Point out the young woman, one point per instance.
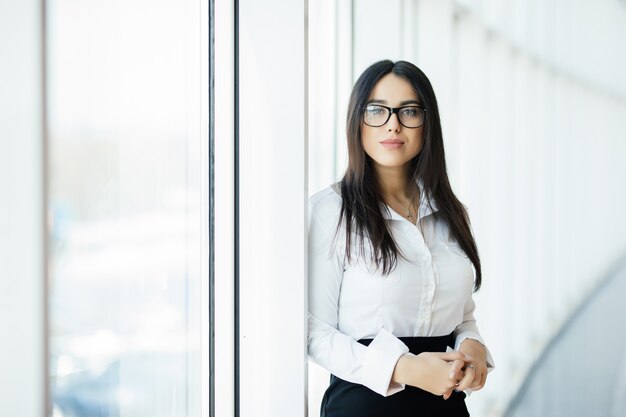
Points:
(390, 262)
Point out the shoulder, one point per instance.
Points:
(324, 210)
(326, 204)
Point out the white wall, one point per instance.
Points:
(272, 207)
(533, 107)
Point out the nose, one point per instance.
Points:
(394, 123)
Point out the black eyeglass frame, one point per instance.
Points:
(392, 110)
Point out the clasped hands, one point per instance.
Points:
(470, 370)
(440, 373)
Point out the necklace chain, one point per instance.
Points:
(408, 208)
(408, 214)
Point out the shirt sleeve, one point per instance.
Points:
(469, 330)
(371, 366)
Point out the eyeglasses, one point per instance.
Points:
(376, 115)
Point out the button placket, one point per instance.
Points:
(423, 257)
(428, 287)
(427, 299)
(414, 235)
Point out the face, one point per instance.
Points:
(392, 145)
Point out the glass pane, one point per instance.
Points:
(126, 228)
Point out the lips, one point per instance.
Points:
(392, 143)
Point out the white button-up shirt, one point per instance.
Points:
(430, 294)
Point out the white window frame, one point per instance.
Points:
(23, 361)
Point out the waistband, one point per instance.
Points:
(421, 344)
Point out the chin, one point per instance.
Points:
(395, 163)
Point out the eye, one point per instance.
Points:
(410, 111)
(375, 110)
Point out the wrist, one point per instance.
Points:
(473, 343)
(401, 372)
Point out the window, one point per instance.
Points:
(127, 102)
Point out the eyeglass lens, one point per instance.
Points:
(409, 116)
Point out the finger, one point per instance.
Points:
(452, 356)
(479, 380)
(455, 370)
(483, 378)
(468, 379)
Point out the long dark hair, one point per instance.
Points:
(362, 203)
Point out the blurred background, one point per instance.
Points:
(152, 250)
(532, 97)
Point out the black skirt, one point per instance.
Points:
(346, 399)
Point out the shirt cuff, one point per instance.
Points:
(379, 362)
(473, 335)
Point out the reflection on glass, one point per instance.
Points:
(125, 213)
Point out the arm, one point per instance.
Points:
(469, 342)
(469, 330)
(340, 354)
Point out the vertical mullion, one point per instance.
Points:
(211, 205)
(225, 169)
(236, 266)
(23, 288)
(47, 398)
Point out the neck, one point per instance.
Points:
(394, 182)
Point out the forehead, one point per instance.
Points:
(393, 90)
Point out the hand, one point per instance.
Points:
(430, 371)
(474, 367)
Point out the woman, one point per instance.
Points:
(390, 262)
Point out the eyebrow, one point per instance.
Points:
(402, 103)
